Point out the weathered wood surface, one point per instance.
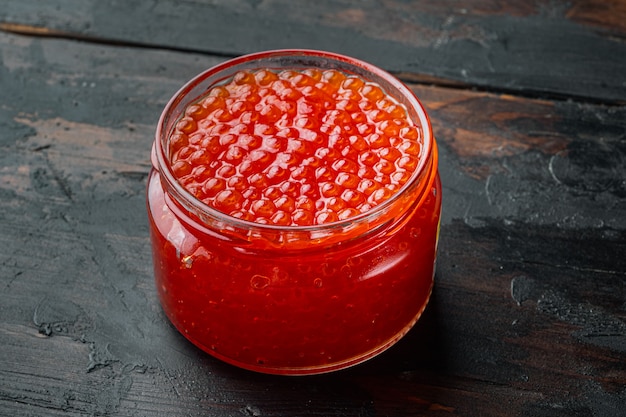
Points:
(528, 316)
(538, 48)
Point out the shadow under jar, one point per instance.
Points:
(296, 299)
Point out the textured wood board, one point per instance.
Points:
(536, 48)
(527, 317)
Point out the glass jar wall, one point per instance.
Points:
(294, 299)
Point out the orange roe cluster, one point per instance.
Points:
(294, 147)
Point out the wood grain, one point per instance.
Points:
(536, 48)
(527, 317)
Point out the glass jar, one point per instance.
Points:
(294, 300)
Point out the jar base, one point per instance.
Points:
(315, 369)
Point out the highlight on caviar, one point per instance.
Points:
(294, 211)
(294, 147)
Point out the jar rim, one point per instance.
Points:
(428, 156)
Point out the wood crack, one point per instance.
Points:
(406, 77)
(576, 268)
(37, 31)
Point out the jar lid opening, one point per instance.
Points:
(291, 59)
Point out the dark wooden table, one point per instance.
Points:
(528, 103)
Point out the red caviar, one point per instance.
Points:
(294, 211)
(246, 146)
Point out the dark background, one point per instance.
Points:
(528, 103)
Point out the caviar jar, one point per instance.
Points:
(294, 299)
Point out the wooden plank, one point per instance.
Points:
(527, 316)
(556, 49)
(534, 161)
